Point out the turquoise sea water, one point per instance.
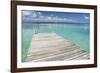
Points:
(76, 33)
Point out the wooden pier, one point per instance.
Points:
(52, 47)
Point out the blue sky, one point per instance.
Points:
(32, 15)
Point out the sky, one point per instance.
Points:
(45, 16)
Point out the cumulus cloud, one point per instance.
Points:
(35, 16)
(26, 13)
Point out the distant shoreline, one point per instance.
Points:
(54, 22)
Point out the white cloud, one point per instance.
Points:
(38, 16)
(86, 17)
(39, 13)
(34, 14)
(26, 13)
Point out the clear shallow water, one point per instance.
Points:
(76, 33)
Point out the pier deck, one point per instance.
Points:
(52, 47)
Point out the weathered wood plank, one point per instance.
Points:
(52, 47)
